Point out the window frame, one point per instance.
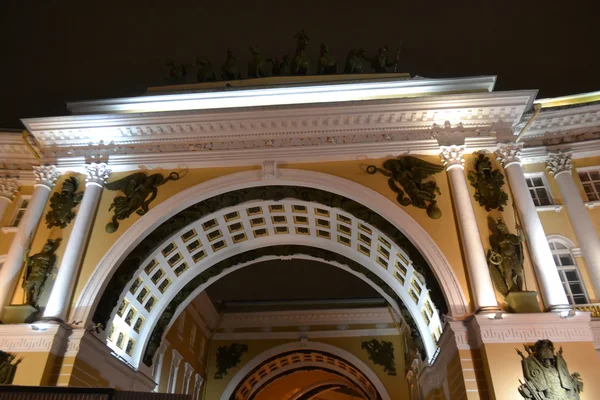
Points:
(542, 175)
(562, 269)
(19, 202)
(587, 170)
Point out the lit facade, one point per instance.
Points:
(276, 169)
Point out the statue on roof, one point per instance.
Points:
(205, 71)
(256, 65)
(177, 72)
(281, 67)
(300, 62)
(326, 65)
(229, 70)
(354, 63)
(381, 62)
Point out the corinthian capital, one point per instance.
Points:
(509, 153)
(46, 175)
(8, 187)
(97, 174)
(559, 162)
(452, 156)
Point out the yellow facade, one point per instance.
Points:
(473, 358)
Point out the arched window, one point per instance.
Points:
(568, 271)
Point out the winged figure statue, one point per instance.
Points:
(136, 189)
(407, 176)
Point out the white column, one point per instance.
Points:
(8, 189)
(484, 296)
(559, 164)
(57, 308)
(175, 362)
(549, 282)
(187, 377)
(46, 176)
(198, 381)
(159, 362)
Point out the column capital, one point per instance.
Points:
(452, 156)
(8, 188)
(177, 358)
(45, 175)
(559, 162)
(509, 153)
(96, 174)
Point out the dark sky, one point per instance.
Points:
(57, 51)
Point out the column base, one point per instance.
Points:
(488, 310)
(559, 308)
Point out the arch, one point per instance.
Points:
(319, 388)
(273, 352)
(387, 209)
(195, 256)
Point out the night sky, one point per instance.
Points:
(57, 51)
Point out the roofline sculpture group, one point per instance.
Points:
(298, 65)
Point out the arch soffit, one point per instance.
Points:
(107, 266)
(396, 283)
(298, 346)
(325, 385)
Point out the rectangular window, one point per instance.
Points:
(590, 180)
(538, 189)
(20, 211)
(193, 336)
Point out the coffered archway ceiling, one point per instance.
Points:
(197, 246)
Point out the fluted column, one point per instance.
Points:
(58, 303)
(197, 386)
(8, 188)
(46, 177)
(158, 364)
(484, 296)
(549, 282)
(174, 370)
(559, 164)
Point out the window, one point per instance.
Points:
(193, 336)
(538, 189)
(568, 271)
(591, 183)
(20, 211)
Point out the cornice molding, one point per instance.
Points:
(474, 110)
(309, 334)
(356, 316)
(552, 123)
(527, 328)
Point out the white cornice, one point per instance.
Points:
(305, 334)
(355, 316)
(551, 122)
(307, 122)
(292, 93)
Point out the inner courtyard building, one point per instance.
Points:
(330, 237)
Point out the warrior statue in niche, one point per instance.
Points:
(505, 258)
(37, 269)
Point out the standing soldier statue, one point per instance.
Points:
(37, 269)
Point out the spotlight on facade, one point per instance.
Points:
(568, 314)
(40, 327)
(496, 315)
